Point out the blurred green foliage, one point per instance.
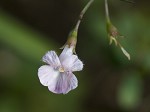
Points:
(21, 38)
(108, 83)
(130, 91)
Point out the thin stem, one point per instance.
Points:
(82, 14)
(107, 11)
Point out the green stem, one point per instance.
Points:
(107, 11)
(82, 14)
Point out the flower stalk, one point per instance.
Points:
(72, 38)
(82, 14)
(107, 12)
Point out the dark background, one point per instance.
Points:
(108, 82)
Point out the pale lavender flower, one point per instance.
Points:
(57, 75)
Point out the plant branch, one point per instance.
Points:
(107, 11)
(82, 14)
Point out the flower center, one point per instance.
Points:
(61, 69)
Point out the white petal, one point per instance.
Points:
(67, 51)
(51, 58)
(72, 63)
(47, 75)
(65, 83)
(77, 65)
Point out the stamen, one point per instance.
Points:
(61, 69)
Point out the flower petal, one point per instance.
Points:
(66, 82)
(47, 75)
(72, 63)
(77, 65)
(67, 51)
(125, 53)
(51, 58)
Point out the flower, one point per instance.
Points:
(113, 32)
(114, 35)
(57, 75)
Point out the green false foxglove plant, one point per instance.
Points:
(58, 75)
